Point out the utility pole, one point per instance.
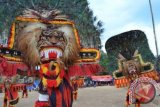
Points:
(154, 32)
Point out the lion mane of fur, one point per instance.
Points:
(27, 43)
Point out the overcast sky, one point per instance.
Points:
(123, 15)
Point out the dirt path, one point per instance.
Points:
(105, 96)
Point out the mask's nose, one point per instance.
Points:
(53, 40)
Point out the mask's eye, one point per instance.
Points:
(61, 36)
(46, 32)
(55, 33)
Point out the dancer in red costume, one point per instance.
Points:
(25, 92)
(48, 40)
(133, 71)
(11, 96)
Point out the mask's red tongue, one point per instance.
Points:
(52, 55)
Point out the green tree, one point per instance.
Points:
(104, 60)
(77, 10)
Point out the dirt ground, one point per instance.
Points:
(104, 96)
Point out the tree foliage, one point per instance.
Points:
(104, 60)
(77, 10)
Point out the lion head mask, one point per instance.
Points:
(45, 38)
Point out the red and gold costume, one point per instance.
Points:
(49, 41)
(136, 74)
(11, 96)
